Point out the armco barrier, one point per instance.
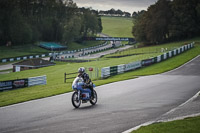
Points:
(40, 80)
(110, 71)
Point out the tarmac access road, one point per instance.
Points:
(100, 54)
(121, 105)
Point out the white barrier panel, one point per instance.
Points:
(133, 65)
(11, 59)
(4, 60)
(179, 50)
(165, 56)
(120, 68)
(40, 80)
(159, 58)
(192, 44)
(189, 46)
(186, 47)
(183, 48)
(175, 52)
(170, 54)
(105, 72)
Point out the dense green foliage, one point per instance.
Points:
(27, 21)
(113, 12)
(168, 20)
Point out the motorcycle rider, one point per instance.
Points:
(86, 79)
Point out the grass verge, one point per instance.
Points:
(188, 125)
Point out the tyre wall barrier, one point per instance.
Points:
(114, 70)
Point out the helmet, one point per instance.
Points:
(81, 70)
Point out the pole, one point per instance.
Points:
(65, 77)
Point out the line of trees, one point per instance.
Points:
(168, 20)
(113, 12)
(28, 21)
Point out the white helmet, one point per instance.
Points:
(81, 70)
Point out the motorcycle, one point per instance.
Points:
(82, 94)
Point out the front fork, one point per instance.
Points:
(79, 94)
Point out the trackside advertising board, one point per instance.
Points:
(148, 62)
(133, 65)
(13, 84)
(109, 39)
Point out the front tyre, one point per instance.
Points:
(75, 102)
(94, 100)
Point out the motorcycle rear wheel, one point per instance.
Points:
(94, 100)
(75, 102)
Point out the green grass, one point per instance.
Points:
(85, 44)
(55, 74)
(8, 70)
(189, 125)
(32, 49)
(20, 50)
(117, 26)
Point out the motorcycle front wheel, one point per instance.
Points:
(94, 100)
(75, 102)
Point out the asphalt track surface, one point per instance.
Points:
(121, 105)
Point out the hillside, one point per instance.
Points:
(117, 26)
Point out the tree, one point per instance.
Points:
(91, 23)
(184, 22)
(152, 26)
(72, 30)
(27, 21)
(20, 31)
(138, 30)
(158, 21)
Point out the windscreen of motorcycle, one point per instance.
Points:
(75, 82)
